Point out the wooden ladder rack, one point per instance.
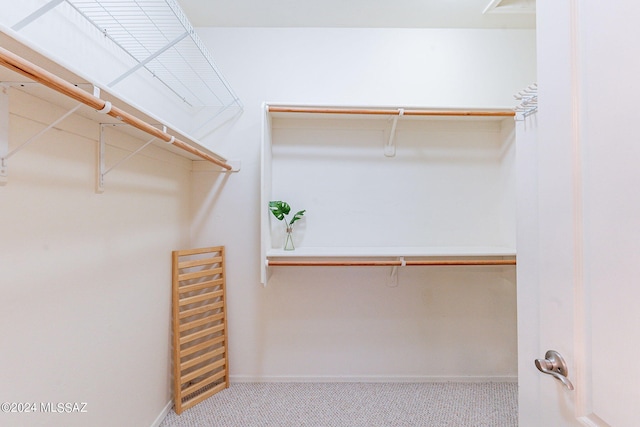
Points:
(200, 355)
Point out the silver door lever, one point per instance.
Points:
(554, 365)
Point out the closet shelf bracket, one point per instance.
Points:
(3, 171)
(392, 280)
(5, 154)
(102, 169)
(4, 132)
(390, 148)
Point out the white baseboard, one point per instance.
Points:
(163, 414)
(368, 379)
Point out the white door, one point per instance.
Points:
(579, 238)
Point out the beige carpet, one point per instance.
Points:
(355, 405)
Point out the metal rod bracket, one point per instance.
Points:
(5, 154)
(392, 280)
(100, 166)
(4, 133)
(4, 171)
(390, 148)
(102, 170)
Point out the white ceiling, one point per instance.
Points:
(362, 13)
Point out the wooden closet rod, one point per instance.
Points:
(391, 263)
(392, 111)
(20, 65)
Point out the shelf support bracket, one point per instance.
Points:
(4, 132)
(100, 161)
(43, 131)
(102, 169)
(390, 148)
(265, 273)
(392, 280)
(5, 154)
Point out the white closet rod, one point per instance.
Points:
(20, 65)
(391, 111)
(392, 263)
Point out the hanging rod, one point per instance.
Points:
(392, 263)
(391, 111)
(22, 66)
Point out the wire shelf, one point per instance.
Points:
(160, 38)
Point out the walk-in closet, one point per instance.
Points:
(419, 201)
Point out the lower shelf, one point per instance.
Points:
(393, 251)
(388, 257)
(393, 263)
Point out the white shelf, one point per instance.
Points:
(146, 53)
(13, 42)
(406, 186)
(387, 252)
(161, 39)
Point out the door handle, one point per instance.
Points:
(554, 365)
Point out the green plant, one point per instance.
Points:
(281, 209)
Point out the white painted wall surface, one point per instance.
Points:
(346, 324)
(85, 277)
(444, 187)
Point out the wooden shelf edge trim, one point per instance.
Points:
(391, 263)
(391, 111)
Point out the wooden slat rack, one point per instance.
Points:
(200, 350)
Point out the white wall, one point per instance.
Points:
(85, 277)
(443, 187)
(346, 323)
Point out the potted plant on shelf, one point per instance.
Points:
(280, 210)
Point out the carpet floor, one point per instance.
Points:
(355, 405)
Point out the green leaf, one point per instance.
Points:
(297, 216)
(279, 209)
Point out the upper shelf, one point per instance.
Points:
(158, 35)
(144, 57)
(10, 77)
(393, 251)
(144, 51)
